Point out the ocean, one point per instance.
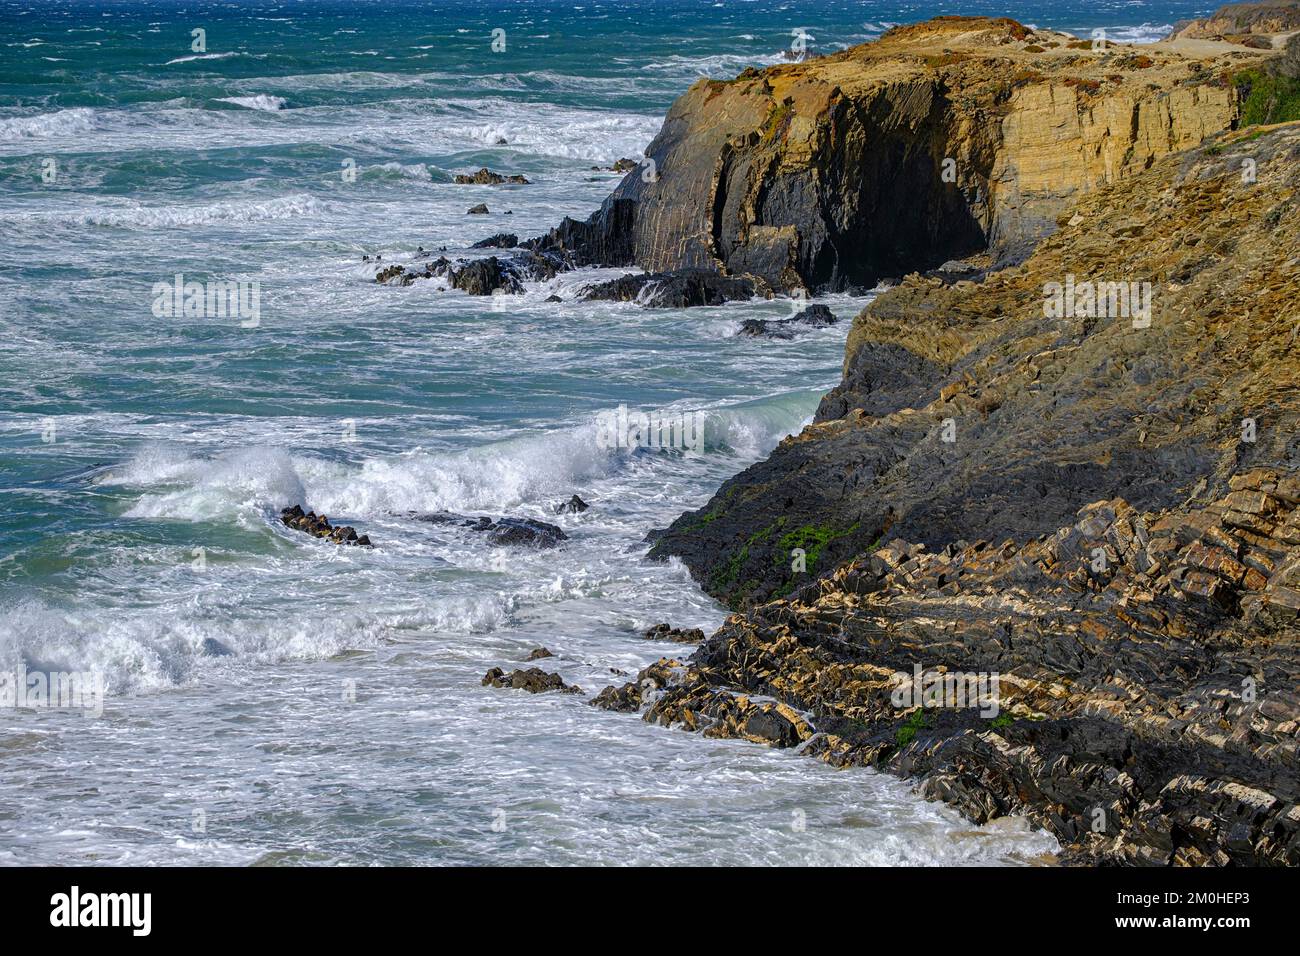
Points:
(274, 699)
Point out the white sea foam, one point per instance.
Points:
(240, 481)
(145, 647)
(210, 56)
(418, 171)
(260, 101)
(42, 125)
(135, 215)
(532, 469)
(1146, 33)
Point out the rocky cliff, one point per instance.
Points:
(1091, 493)
(938, 141)
(969, 410)
(1147, 698)
(1240, 21)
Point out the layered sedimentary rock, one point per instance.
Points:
(1092, 496)
(937, 141)
(1239, 20)
(966, 411)
(1146, 707)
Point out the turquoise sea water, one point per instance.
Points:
(276, 699)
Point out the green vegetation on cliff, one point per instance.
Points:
(1267, 98)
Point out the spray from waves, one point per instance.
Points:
(62, 123)
(238, 483)
(213, 56)
(134, 216)
(250, 484)
(559, 132)
(263, 102)
(718, 65)
(752, 429)
(532, 471)
(1146, 33)
(148, 647)
(394, 170)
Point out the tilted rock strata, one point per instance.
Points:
(1148, 677)
(932, 143)
(1044, 414)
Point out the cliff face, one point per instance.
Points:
(1241, 20)
(1099, 504)
(968, 412)
(937, 141)
(1147, 666)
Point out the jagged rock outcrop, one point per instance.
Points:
(681, 289)
(1236, 21)
(967, 411)
(813, 317)
(1140, 693)
(532, 679)
(574, 506)
(494, 275)
(678, 635)
(318, 526)
(505, 532)
(486, 177)
(937, 141)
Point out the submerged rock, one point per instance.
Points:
(480, 210)
(678, 290)
(534, 680)
(486, 277)
(503, 531)
(318, 526)
(574, 505)
(539, 653)
(813, 317)
(666, 632)
(485, 177)
(524, 531)
(502, 240)
(495, 275)
(623, 165)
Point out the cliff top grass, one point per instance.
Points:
(992, 49)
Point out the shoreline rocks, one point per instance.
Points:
(678, 635)
(1099, 510)
(1242, 22)
(532, 679)
(504, 532)
(486, 177)
(1146, 708)
(493, 275)
(967, 412)
(813, 317)
(318, 526)
(681, 289)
